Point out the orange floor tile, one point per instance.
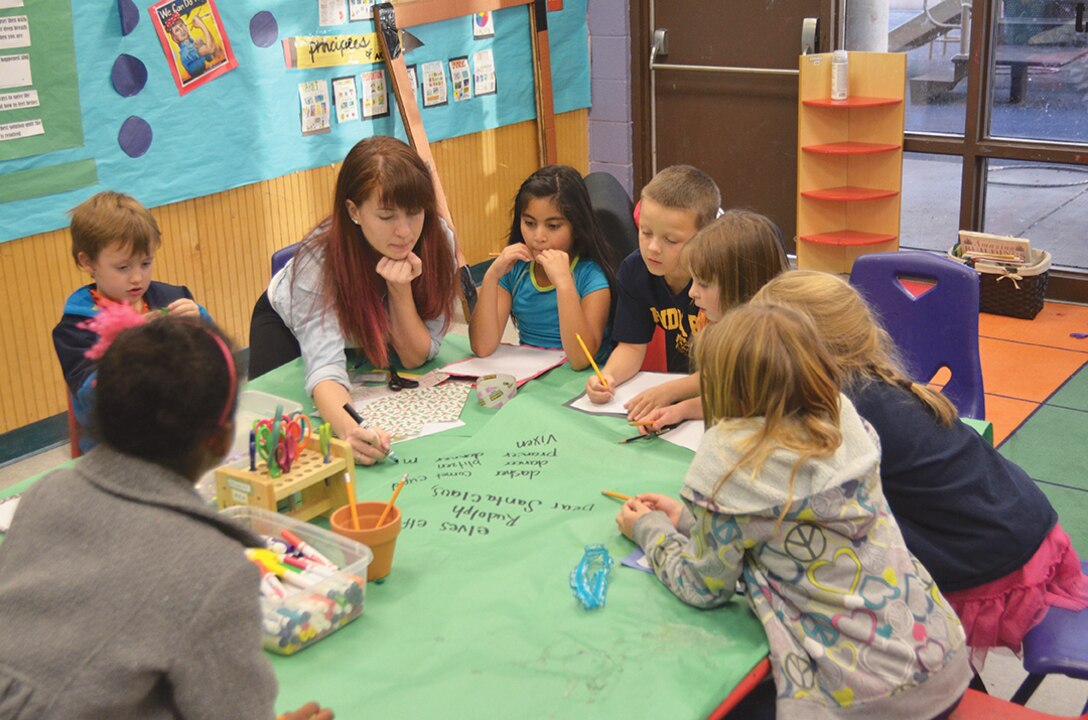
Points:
(1025, 372)
(1006, 414)
(1051, 327)
(1025, 361)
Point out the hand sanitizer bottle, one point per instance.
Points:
(839, 75)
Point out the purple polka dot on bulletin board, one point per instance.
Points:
(263, 29)
(135, 136)
(129, 75)
(130, 15)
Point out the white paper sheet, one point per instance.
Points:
(688, 435)
(14, 32)
(21, 129)
(433, 429)
(641, 381)
(7, 512)
(15, 70)
(521, 361)
(19, 100)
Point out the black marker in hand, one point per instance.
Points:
(350, 410)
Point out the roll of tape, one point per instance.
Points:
(494, 391)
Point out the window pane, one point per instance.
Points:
(1041, 72)
(929, 33)
(1042, 202)
(931, 201)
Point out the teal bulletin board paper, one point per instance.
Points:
(243, 127)
(53, 72)
(48, 180)
(477, 618)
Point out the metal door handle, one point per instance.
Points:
(810, 36)
(660, 48)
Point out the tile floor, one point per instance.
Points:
(1025, 361)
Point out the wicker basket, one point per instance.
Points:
(1013, 290)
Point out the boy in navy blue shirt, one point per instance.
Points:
(652, 282)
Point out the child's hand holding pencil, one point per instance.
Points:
(639, 505)
(599, 387)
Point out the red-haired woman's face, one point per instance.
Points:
(392, 231)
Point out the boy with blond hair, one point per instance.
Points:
(114, 239)
(652, 282)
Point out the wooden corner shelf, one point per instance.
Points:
(853, 102)
(851, 147)
(849, 193)
(847, 238)
(849, 160)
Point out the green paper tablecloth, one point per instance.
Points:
(477, 619)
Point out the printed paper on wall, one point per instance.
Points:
(192, 36)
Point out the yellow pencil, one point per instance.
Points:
(618, 496)
(589, 356)
(351, 501)
(389, 505)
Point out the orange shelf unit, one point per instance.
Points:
(849, 160)
(853, 102)
(849, 194)
(851, 148)
(848, 238)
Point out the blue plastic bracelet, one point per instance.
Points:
(589, 578)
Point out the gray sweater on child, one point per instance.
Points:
(122, 595)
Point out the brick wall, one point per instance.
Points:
(610, 76)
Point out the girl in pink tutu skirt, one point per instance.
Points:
(978, 522)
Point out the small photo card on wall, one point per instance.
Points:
(359, 10)
(434, 84)
(483, 63)
(461, 77)
(483, 25)
(375, 94)
(315, 107)
(346, 99)
(331, 12)
(413, 81)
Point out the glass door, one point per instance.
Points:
(996, 122)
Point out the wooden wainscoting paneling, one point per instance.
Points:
(220, 246)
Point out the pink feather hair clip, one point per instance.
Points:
(108, 324)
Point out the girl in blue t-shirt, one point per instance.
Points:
(554, 276)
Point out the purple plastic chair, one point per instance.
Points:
(1059, 644)
(938, 329)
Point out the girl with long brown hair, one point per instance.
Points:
(377, 276)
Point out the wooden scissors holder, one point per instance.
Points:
(312, 488)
